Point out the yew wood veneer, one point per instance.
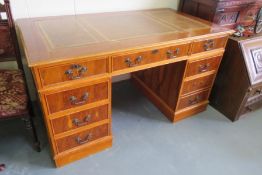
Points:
(173, 59)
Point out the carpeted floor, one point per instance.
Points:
(146, 143)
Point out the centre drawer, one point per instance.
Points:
(82, 138)
(131, 60)
(72, 71)
(202, 66)
(208, 44)
(79, 119)
(194, 99)
(67, 99)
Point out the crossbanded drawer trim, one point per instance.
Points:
(81, 129)
(72, 138)
(83, 118)
(60, 73)
(204, 97)
(89, 89)
(209, 64)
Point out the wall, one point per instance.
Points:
(36, 8)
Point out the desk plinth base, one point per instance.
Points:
(79, 153)
(171, 114)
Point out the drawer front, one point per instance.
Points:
(82, 138)
(209, 44)
(202, 66)
(193, 99)
(198, 84)
(79, 119)
(147, 57)
(74, 71)
(80, 96)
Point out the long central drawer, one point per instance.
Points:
(130, 60)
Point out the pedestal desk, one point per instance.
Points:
(173, 57)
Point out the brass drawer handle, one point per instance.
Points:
(204, 68)
(2, 51)
(83, 100)
(194, 101)
(76, 71)
(81, 141)
(137, 61)
(209, 45)
(78, 123)
(173, 54)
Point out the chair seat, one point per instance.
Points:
(13, 96)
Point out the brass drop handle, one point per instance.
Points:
(83, 100)
(204, 68)
(173, 53)
(194, 101)
(137, 61)
(81, 141)
(76, 71)
(209, 45)
(78, 123)
(2, 51)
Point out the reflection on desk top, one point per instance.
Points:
(54, 39)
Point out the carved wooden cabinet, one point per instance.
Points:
(226, 13)
(238, 86)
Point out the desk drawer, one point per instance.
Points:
(202, 66)
(198, 84)
(79, 119)
(73, 71)
(80, 96)
(142, 58)
(193, 99)
(82, 138)
(208, 44)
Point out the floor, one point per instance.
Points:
(145, 142)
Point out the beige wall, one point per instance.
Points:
(35, 8)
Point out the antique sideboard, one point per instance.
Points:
(173, 59)
(226, 13)
(239, 93)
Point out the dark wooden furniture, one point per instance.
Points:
(239, 92)
(9, 49)
(238, 86)
(14, 100)
(227, 13)
(73, 59)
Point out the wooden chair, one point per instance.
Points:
(14, 96)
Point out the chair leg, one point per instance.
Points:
(29, 123)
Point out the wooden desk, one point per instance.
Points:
(73, 59)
